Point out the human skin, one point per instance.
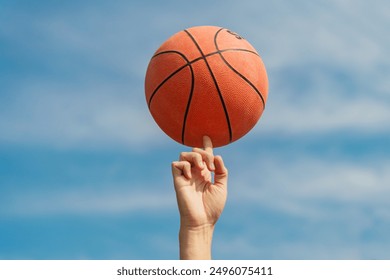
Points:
(200, 201)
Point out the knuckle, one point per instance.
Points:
(197, 151)
(210, 158)
(198, 156)
(182, 155)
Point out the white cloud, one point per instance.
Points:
(305, 207)
(309, 50)
(328, 113)
(87, 117)
(330, 32)
(316, 41)
(243, 247)
(88, 97)
(332, 35)
(85, 202)
(305, 187)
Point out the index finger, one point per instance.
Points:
(207, 144)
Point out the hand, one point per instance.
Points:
(200, 201)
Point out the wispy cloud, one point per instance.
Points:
(84, 202)
(302, 53)
(329, 113)
(73, 79)
(87, 117)
(306, 186)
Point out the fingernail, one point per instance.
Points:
(212, 166)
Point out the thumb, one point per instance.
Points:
(220, 173)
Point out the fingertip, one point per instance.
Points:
(200, 164)
(221, 172)
(181, 168)
(212, 166)
(220, 164)
(207, 144)
(175, 163)
(218, 157)
(174, 166)
(187, 171)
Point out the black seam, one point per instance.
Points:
(188, 64)
(215, 82)
(170, 76)
(238, 73)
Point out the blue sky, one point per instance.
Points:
(85, 172)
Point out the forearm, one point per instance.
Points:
(195, 243)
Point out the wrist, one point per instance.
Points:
(195, 242)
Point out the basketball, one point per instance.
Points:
(206, 80)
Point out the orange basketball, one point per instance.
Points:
(206, 80)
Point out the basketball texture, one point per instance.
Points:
(206, 80)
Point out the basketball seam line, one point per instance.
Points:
(191, 90)
(238, 73)
(169, 76)
(189, 64)
(209, 54)
(215, 82)
(185, 65)
(188, 103)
